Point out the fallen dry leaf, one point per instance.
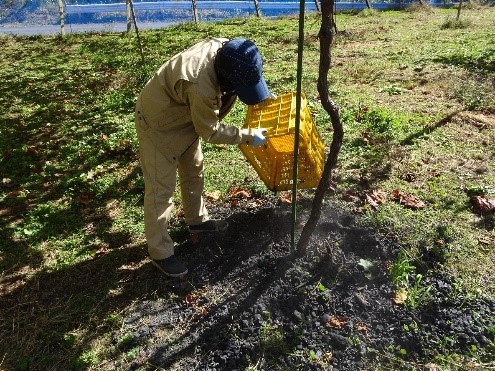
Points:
(101, 251)
(254, 204)
(376, 197)
(368, 138)
(33, 151)
(486, 240)
(407, 200)
(13, 194)
(84, 199)
(361, 327)
(213, 196)
(285, 197)
(432, 367)
(350, 196)
(6, 212)
(179, 213)
(327, 357)
(400, 296)
(194, 301)
(483, 205)
(337, 321)
(332, 186)
(238, 192)
(190, 299)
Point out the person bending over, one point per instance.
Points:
(180, 106)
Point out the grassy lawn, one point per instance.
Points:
(417, 98)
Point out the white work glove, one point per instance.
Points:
(259, 137)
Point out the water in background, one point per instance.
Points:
(207, 10)
(43, 16)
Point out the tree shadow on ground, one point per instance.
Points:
(51, 318)
(481, 63)
(48, 311)
(49, 142)
(411, 139)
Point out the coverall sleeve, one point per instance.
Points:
(204, 115)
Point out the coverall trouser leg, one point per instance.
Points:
(191, 182)
(160, 177)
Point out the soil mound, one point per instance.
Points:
(247, 303)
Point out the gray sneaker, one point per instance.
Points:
(171, 266)
(209, 226)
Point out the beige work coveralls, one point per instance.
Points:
(179, 105)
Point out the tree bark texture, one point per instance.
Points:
(325, 35)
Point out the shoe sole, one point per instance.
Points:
(175, 275)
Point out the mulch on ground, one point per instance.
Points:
(247, 303)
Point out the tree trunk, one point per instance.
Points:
(257, 7)
(128, 15)
(325, 35)
(459, 11)
(133, 15)
(61, 10)
(194, 11)
(317, 4)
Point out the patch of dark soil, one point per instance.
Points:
(246, 302)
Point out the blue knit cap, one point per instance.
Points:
(243, 69)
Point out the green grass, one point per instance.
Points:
(72, 190)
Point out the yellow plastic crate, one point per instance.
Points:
(274, 160)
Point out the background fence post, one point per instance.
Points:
(195, 11)
(61, 10)
(257, 7)
(318, 8)
(128, 14)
